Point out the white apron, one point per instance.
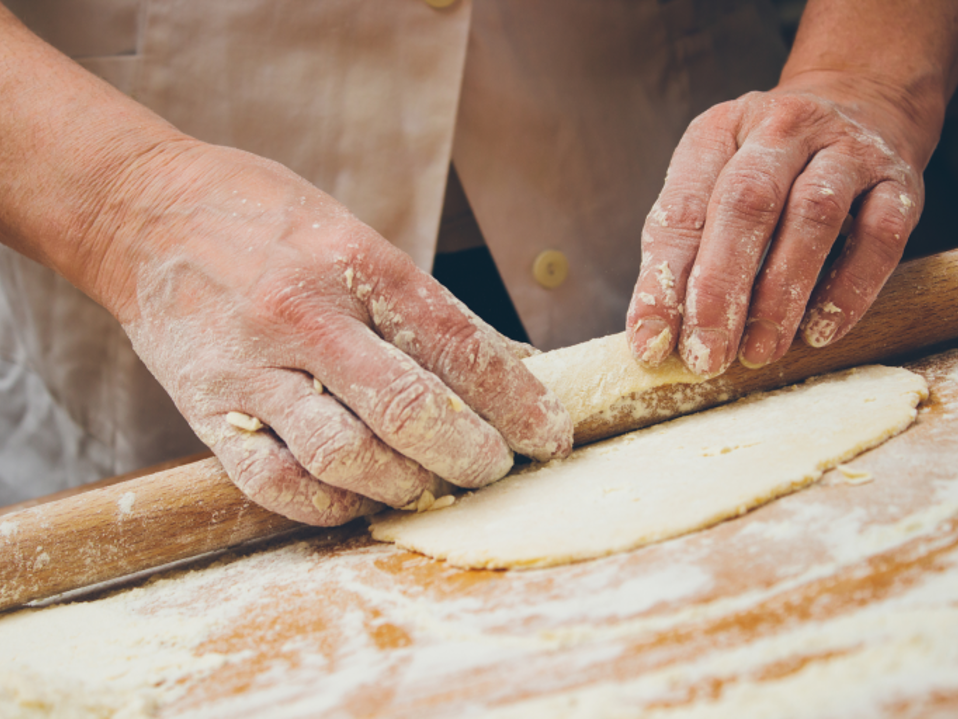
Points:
(560, 116)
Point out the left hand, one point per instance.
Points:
(776, 172)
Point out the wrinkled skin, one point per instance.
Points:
(773, 172)
(247, 290)
(251, 283)
(759, 188)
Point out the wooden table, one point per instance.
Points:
(839, 600)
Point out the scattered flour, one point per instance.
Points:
(119, 657)
(125, 503)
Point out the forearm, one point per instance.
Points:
(904, 52)
(68, 143)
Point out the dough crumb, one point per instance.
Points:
(318, 386)
(321, 500)
(442, 503)
(426, 500)
(666, 278)
(855, 476)
(456, 403)
(243, 421)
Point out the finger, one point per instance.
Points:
(520, 350)
(888, 215)
(743, 212)
(406, 406)
(811, 221)
(473, 360)
(333, 445)
(266, 472)
(672, 234)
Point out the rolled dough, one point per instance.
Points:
(665, 480)
(590, 377)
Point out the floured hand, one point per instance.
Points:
(257, 299)
(325, 370)
(759, 188)
(771, 172)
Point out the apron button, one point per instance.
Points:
(550, 268)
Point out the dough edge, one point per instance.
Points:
(395, 526)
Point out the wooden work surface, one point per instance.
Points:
(839, 601)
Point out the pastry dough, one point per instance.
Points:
(665, 480)
(591, 377)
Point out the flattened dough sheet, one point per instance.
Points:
(665, 480)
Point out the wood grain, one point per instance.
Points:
(105, 482)
(188, 511)
(125, 528)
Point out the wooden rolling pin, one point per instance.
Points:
(147, 522)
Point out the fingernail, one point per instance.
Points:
(759, 344)
(822, 324)
(704, 351)
(652, 340)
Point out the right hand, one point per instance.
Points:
(239, 283)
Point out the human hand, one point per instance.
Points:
(239, 283)
(776, 172)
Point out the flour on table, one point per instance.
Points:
(666, 480)
(121, 657)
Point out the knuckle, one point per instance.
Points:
(467, 358)
(410, 412)
(338, 512)
(282, 487)
(715, 289)
(460, 347)
(781, 297)
(722, 116)
(818, 205)
(285, 297)
(718, 291)
(857, 288)
(249, 471)
(793, 116)
(682, 215)
(260, 477)
(337, 448)
(884, 237)
(752, 192)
